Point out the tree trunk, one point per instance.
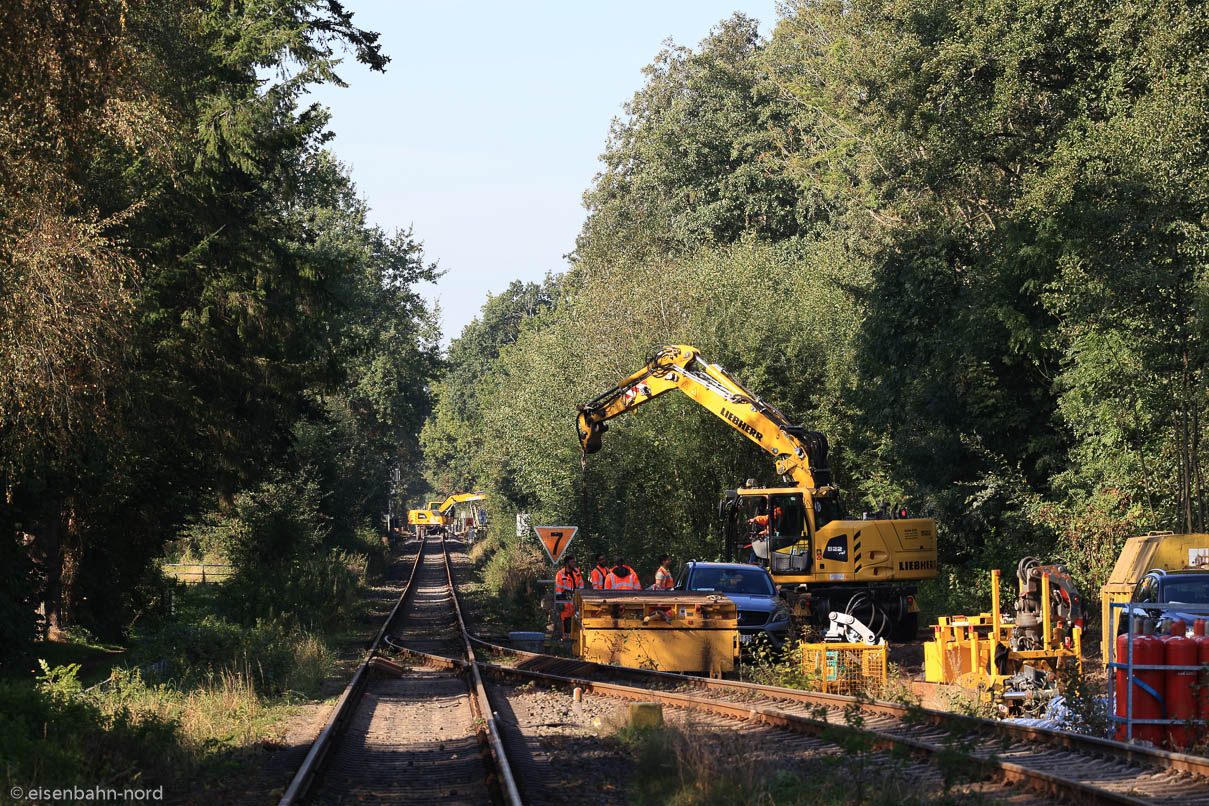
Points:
(46, 549)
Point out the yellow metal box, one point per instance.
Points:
(672, 631)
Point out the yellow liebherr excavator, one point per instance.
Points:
(434, 514)
(865, 567)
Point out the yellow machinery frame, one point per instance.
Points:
(963, 648)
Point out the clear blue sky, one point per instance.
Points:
(485, 130)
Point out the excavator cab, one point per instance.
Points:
(775, 525)
(767, 521)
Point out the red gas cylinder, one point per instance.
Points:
(1148, 651)
(1202, 692)
(1120, 691)
(1179, 692)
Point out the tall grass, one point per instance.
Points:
(696, 766)
(135, 730)
(509, 569)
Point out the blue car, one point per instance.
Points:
(750, 587)
(1160, 593)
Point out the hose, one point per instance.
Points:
(876, 615)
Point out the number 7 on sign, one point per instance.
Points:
(555, 540)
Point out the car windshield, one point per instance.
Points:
(1192, 591)
(732, 580)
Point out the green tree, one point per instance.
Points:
(686, 166)
(165, 172)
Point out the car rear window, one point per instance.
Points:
(1192, 591)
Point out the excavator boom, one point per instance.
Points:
(800, 454)
(459, 498)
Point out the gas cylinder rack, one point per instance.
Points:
(1159, 690)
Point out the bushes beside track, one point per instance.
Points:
(507, 570)
(219, 677)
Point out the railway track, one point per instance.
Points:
(1018, 763)
(1053, 763)
(422, 734)
(1146, 774)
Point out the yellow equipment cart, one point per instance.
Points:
(671, 631)
(1011, 661)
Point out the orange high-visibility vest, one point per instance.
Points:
(598, 577)
(627, 581)
(663, 580)
(565, 583)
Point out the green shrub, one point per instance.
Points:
(317, 593)
(51, 734)
(514, 568)
(275, 656)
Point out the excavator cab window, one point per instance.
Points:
(788, 518)
(754, 506)
(787, 526)
(826, 510)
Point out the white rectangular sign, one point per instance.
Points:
(522, 524)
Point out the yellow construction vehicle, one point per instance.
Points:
(439, 514)
(1012, 661)
(1163, 551)
(865, 567)
(422, 519)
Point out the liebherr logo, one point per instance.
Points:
(741, 425)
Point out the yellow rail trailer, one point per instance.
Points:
(1156, 550)
(671, 631)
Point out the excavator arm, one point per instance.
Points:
(459, 498)
(799, 453)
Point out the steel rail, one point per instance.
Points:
(1147, 756)
(1034, 779)
(1038, 780)
(305, 776)
(507, 781)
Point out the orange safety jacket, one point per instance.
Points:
(566, 583)
(626, 580)
(598, 577)
(663, 580)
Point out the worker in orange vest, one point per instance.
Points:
(663, 576)
(566, 581)
(621, 577)
(597, 577)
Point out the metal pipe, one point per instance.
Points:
(1046, 626)
(995, 607)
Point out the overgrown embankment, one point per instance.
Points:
(503, 590)
(203, 687)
